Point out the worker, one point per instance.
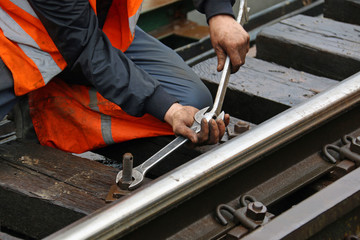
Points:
(64, 54)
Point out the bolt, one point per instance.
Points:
(126, 178)
(241, 127)
(256, 211)
(258, 206)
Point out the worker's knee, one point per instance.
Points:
(198, 97)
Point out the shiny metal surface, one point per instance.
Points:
(180, 184)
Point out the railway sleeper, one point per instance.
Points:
(316, 45)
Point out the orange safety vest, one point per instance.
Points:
(72, 118)
(31, 55)
(76, 118)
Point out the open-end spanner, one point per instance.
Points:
(139, 172)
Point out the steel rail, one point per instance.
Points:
(209, 168)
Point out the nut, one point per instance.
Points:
(256, 211)
(241, 127)
(238, 128)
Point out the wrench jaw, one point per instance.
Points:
(118, 176)
(221, 116)
(200, 115)
(207, 115)
(137, 177)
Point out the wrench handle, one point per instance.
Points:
(225, 75)
(162, 153)
(220, 94)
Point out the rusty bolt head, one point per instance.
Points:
(124, 185)
(256, 211)
(241, 127)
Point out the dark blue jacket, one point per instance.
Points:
(76, 31)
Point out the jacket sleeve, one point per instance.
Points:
(214, 7)
(73, 26)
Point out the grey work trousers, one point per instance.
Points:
(152, 56)
(7, 95)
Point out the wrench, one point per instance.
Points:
(139, 172)
(224, 80)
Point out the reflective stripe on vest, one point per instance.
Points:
(77, 119)
(31, 55)
(105, 119)
(26, 48)
(134, 14)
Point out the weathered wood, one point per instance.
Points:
(181, 28)
(260, 90)
(343, 10)
(316, 45)
(43, 189)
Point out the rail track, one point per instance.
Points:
(300, 97)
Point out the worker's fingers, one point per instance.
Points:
(203, 135)
(237, 53)
(228, 38)
(181, 118)
(237, 49)
(226, 119)
(221, 57)
(214, 132)
(188, 133)
(221, 128)
(233, 50)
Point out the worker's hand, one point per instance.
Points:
(228, 38)
(181, 119)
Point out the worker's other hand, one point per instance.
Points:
(181, 119)
(228, 37)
